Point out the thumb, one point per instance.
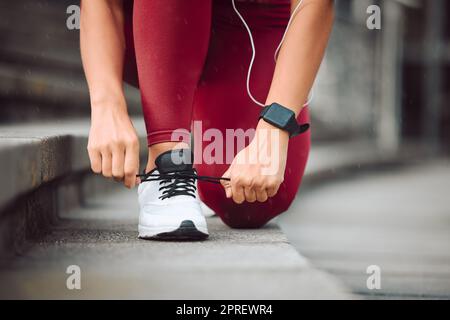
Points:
(226, 184)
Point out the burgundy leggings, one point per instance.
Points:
(190, 59)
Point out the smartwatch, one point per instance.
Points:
(283, 118)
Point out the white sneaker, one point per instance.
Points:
(207, 211)
(169, 206)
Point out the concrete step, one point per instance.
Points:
(31, 91)
(101, 239)
(41, 76)
(33, 154)
(45, 170)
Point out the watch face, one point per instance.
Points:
(279, 116)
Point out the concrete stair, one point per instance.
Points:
(40, 68)
(45, 170)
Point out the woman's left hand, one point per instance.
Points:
(257, 171)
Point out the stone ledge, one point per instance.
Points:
(45, 170)
(34, 154)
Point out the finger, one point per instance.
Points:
(228, 190)
(226, 184)
(237, 193)
(118, 157)
(107, 164)
(261, 195)
(131, 167)
(250, 194)
(272, 192)
(96, 161)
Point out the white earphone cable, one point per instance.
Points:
(252, 43)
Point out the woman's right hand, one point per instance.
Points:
(113, 143)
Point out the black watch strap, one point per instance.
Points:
(283, 118)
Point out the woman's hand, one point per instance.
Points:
(257, 171)
(113, 143)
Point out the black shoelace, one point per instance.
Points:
(178, 183)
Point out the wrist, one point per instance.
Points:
(108, 100)
(265, 127)
(107, 109)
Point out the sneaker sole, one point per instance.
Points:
(187, 231)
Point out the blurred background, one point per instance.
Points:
(390, 85)
(378, 183)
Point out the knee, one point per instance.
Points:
(239, 220)
(250, 215)
(256, 215)
(246, 215)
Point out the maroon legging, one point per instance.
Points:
(191, 60)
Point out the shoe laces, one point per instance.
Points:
(178, 183)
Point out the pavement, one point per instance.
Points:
(101, 239)
(396, 218)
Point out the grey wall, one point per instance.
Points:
(347, 81)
